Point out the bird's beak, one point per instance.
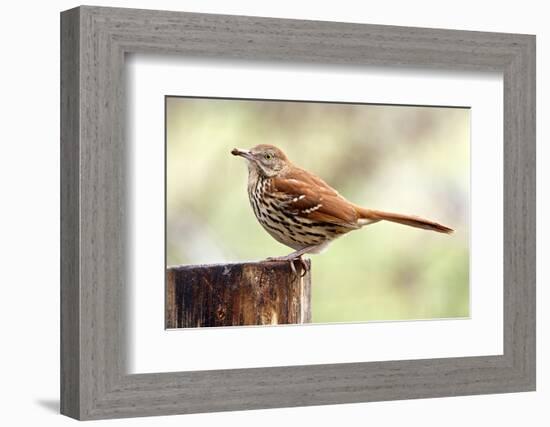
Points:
(243, 153)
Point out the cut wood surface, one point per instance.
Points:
(250, 293)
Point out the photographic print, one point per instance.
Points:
(233, 326)
(296, 212)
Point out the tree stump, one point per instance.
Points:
(251, 293)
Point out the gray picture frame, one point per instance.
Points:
(94, 267)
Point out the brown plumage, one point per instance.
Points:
(301, 210)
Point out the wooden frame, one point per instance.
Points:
(94, 382)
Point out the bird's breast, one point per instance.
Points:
(273, 213)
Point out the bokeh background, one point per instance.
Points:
(407, 159)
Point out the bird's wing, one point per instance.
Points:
(308, 196)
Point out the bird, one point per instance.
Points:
(303, 212)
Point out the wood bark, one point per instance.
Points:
(251, 293)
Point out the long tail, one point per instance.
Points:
(371, 216)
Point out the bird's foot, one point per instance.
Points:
(291, 258)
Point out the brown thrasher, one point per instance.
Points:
(302, 211)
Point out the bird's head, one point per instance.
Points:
(266, 160)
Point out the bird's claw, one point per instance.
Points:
(305, 266)
(292, 267)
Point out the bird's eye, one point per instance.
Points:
(268, 156)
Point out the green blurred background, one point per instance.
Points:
(413, 160)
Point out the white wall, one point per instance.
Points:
(29, 177)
